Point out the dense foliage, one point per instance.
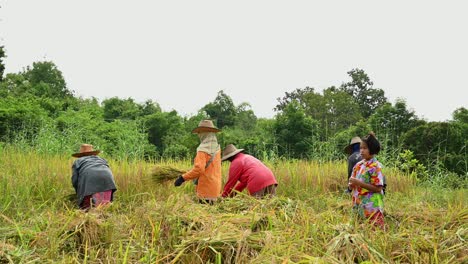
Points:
(38, 111)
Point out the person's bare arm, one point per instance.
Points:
(355, 182)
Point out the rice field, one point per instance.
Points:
(310, 220)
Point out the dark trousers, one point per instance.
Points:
(267, 191)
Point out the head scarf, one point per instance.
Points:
(208, 142)
(356, 147)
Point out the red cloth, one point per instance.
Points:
(97, 199)
(378, 220)
(250, 173)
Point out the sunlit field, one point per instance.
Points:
(310, 220)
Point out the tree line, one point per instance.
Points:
(38, 111)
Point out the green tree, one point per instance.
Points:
(259, 141)
(86, 113)
(149, 107)
(295, 132)
(245, 117)
(298, 95)
(341, 112)
(360, 88)
(314, 105)
(342, 138)
(335, 109)
(222, 110)
(2, 64)
(161, 124)
(18, 115)
(461, 115)
(16, 85)
(393, 121)
(47, 80)
(124, 139)
(116, 108)
(119, 138)
(437, 143)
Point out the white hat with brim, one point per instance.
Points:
(86, 150)
(230, 151)
(205, 126)
(348, 149)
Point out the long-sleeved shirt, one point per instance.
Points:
(90, 175)
(249, 172)
(209, 179)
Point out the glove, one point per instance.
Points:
(179, 181)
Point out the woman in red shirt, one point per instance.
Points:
(247, 171)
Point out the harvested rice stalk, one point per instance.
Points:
(353, 247)
(162, 173)
(4, 249)
(236, 247)
(87, 230)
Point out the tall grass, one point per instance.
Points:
(309, 221)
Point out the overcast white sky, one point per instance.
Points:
(181, 53)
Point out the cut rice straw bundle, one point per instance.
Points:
(352, 247)
(162, 173)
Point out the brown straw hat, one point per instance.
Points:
(205, 126)
(230, 151)
(86, 150)
(354, 140)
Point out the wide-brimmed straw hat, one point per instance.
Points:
(86, 150)
(205, 126)
(349, 149)
(230, 151)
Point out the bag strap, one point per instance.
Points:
(209, 161)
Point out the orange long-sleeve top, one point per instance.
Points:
(209, 179)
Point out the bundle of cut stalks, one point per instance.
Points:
(162, 173)
(87, 230)
(235, 245)
(353, 247)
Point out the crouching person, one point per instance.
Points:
(247, 172)
(92, 178)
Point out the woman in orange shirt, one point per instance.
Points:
(207, 164)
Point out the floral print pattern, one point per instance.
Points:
(368, 203)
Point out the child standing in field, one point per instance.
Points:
(367, 183)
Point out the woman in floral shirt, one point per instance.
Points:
(367, 183)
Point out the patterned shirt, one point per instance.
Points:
(366, 202)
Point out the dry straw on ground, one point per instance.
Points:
(348, 246)
(86, 230)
